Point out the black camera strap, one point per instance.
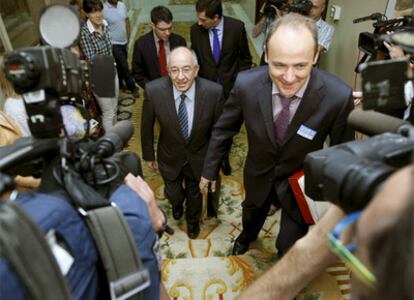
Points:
(25, 247)
(124, 269)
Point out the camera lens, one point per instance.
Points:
(22, 69)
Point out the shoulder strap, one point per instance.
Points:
(24, 246)
(124, 269)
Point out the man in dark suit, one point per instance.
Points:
(186, 108)
(233, 50)
(149, 59)
(289, 108)
(221, 46)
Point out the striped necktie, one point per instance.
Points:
(183, 117)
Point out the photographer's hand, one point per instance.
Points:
(394, 51)
(138, 185)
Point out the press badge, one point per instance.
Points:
(306, 132)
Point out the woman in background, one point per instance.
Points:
(14, 105)
(95, 41)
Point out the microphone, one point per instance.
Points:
(115, 139)
(372, 123)
(374, 16)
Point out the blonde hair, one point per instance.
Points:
(5, 85)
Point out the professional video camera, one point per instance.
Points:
(271, 6)
(371, 44)
(349, 174)
(83, 173)
(49, 77)
(302, 7)
(298, 6)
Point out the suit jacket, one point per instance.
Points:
(234, 56)
(145, 63)
(173, 151)
(324, 108)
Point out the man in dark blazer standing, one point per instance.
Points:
(289, 108)
(149, 59)
(221, 46)
(186, 108)
(233, 54)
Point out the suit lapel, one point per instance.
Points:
(265, 101)
(226, 41)
(205, 41)
(311, 99)
(153, 50)
(199, 103)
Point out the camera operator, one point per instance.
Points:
(269, 12)
(384, 238)
(325, 31)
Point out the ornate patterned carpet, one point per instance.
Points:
(203, 268)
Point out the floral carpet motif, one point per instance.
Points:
(204, 268)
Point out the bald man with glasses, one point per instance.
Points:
(186, 108)
(152, 49)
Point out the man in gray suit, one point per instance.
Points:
(288, 108)
(186, 108)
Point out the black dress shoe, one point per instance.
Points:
(240, 247)
(177, 212)
(225, 167)
(193, 230)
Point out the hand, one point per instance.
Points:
(138, 185)
(204, 184)
(357, 95)
(152, 164)
(394, 51)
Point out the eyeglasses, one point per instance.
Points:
(174, 71)
(344, 252)
(164, 29)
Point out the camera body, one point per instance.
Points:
(46, 77)
(349, 174)
(372, 43)
(57, 71)
(302, 7)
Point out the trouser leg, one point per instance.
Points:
(253, 219)
(109, 107)
(194, 196)
(290, 232)
(174, 191)
(121, 58)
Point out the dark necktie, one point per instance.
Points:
(162, 59)
(216, 45)
(183, 117)
(282, 121)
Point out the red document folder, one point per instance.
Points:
(307, 206)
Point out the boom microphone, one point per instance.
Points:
(374, 16)
(372, 123)
(115, 139)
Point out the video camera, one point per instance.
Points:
(298, 6)
(302, 7)
(349, 174)
(51, 76)
(371, 44)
